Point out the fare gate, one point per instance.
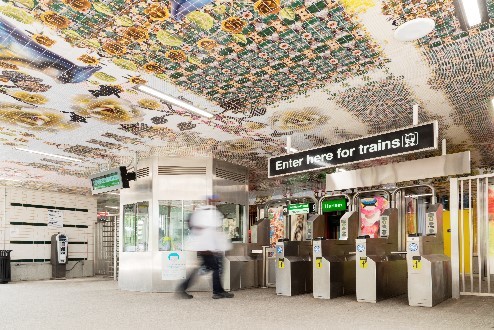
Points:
(472, 235)
(106, 240)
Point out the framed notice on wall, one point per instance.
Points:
(173, 266)
(55, 218)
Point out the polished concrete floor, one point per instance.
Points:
(96, 303)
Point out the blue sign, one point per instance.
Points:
(279, 249)
(413, 247)
(360, 248)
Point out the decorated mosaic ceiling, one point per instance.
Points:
(319, 71)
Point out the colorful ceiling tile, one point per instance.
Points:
(320, 71)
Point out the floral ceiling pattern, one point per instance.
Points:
(321, 71)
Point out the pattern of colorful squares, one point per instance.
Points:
(317, 70)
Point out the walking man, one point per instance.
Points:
(208, 239)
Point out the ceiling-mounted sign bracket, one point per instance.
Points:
(393, 143)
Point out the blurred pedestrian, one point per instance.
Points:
(209, 240)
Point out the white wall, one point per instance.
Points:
(24, 230)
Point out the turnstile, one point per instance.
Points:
(380, 273)
(333, 265)
(293, 267)
(242, 266)
(429, 270)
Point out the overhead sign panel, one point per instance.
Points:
(334, 205)
(403, 141)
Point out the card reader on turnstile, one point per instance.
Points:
(333, 265)
(429, 270)
(380, 273)
(293, 268)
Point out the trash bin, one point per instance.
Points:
(5, 266)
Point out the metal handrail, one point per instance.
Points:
(354, 205)
(393, 194)
(319, 207)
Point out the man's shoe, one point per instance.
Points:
(183, 295)
(223, 295)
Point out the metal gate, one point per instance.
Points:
(472, 235)
(106, 240)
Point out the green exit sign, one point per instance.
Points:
(334, 205)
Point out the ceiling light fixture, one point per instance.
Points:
(492, 102)
(49, 155)
(112, 207)
(7, 179)
(173, 100)
(291, 149)
(471, 12)
(414, 29)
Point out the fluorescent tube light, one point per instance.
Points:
(492, 102)
(112, 207)
(472, 12)
(49, 155)
(7, 179)
(175, 101)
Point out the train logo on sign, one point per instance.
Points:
(317, 248)
(360, 248)
(413, 247)
(279, 249)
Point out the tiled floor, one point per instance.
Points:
(97, 303)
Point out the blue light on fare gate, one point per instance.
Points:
(334, 205)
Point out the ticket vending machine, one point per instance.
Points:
(381, 272)
(429, 270)
(293, 267)
(333, 262)
(59, 255)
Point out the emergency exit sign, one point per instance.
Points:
(334, 205)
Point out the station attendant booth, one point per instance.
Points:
(155, 210)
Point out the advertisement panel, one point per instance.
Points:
(371, 210)
(276, 224)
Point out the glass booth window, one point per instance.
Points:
(136, 227)
(233, 220)
(173, 227)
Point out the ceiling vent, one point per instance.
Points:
(142, 172)
(229, 175)
(179, 170)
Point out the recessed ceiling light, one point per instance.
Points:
(414, 29)
(172, 100)
(291, 149)
(49, 155)
(471, 10)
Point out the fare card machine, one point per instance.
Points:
(293, 267)
(429, 270)
(59, 255)
(380, 273)
(333, 266)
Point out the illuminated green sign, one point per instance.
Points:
(298, 208)
(333, 205)
(109, 180)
